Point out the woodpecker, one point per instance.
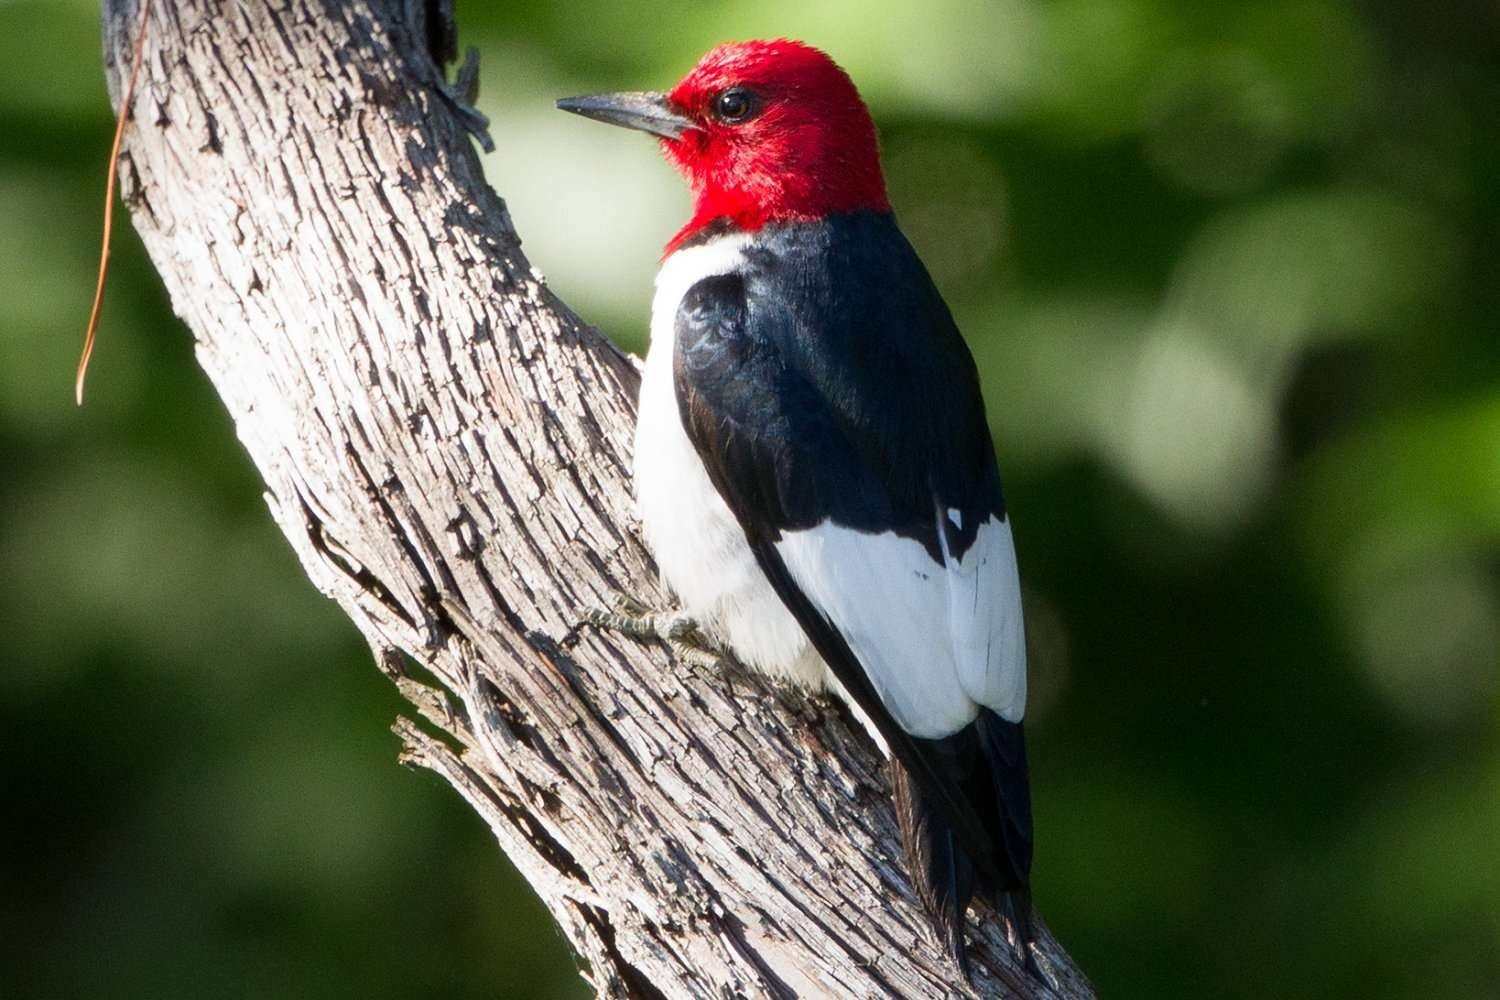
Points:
(813, 468)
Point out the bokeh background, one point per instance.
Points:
(1231, 276)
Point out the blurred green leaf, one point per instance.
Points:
(1226, 274)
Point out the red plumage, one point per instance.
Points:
(811, 152)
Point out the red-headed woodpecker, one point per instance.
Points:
(813, 469)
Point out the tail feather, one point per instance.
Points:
(986, 764)
(1003, 746)
(941, 871)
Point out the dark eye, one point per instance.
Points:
(735, 105)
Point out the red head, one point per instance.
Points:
(780, 134)
(764, 131)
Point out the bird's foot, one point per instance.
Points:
(1032, 957)
(434, 22)
(463, 95)
(677, 629)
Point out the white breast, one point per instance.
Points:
(696, 540)
(936, 640)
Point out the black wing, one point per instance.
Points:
(826, 381)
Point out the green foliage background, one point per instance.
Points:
(1230, 273)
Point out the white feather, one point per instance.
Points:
(937, 641)
(984, 621)
(698, 544)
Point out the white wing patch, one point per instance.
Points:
(984, 621)
(936, 641)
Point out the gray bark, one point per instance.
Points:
(447, 448)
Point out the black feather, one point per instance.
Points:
(825, 381)
(941, 872)
(987, 761)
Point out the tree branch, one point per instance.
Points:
(447, 448)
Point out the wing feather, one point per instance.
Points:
(862, 473)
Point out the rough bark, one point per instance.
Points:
(447, 448)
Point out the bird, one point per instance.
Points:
(813, 468)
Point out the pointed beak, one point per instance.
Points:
(639, 110)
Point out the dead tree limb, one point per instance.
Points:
(447, 448)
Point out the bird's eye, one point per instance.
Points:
(734, 105)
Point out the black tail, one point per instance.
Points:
(986, 765)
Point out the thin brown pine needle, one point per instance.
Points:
(144, 13)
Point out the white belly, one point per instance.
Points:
(699, 546)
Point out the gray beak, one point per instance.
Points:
(639, 110)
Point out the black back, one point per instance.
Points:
(831, 368)
(826, 379)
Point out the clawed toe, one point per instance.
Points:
(624, 604)
(710, 663)
(684, 631)
(676, 628)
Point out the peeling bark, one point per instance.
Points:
(447, 448)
